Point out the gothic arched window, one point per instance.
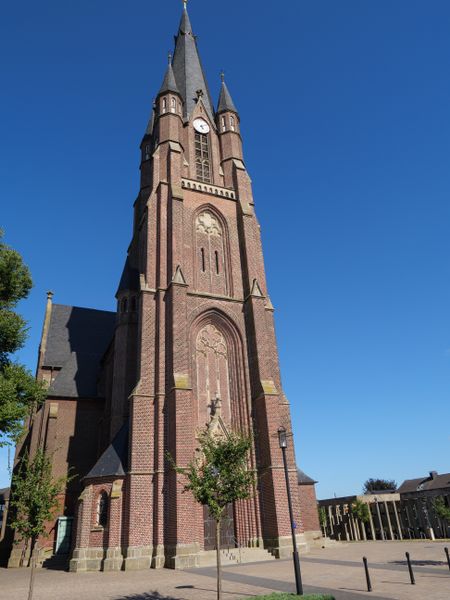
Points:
(102, 509)
(232, 123)
(213, 373)
(210, 250)
(173, 104)
(202, 159)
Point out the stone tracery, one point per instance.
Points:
(212, 372)
(207, 223)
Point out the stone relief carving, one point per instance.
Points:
(208, 223)
(212, 374)
(210, 338)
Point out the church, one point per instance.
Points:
(192, 340)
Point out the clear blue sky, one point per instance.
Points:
(346, 123)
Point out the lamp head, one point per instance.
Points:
(282, 437)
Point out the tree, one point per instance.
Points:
(360, 510)
(34, 500)
(19, 390)
(441, 509)
(218, 476)
(322, 518)
(378, 485)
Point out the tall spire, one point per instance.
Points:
(225, 100)
(188, 70)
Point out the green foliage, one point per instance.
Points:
(219, 474)
(15, 278)
(13, 333)
(322, 516)
(378, 485)
(34, 498)
(19, 391)
(360, 510)
(292, 596)
(441, 509)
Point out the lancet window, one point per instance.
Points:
(210, 254)
(102, 510)
(202, 157)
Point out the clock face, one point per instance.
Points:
(201, 126)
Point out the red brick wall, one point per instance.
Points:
(308, 507)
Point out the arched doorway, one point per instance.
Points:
(213, 382)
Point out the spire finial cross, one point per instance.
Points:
(222, 75)
(185, 4)
(169, 57)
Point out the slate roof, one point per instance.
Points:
(188, 70)
(169, 84)
(425, 484)
(225, 100)
(130, 278)
(76, 342)
(303, 478)
(114, 460)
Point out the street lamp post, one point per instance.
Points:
(282, 438)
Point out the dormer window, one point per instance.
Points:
(232, 121)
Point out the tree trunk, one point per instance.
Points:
(219, 564)
(33, 568)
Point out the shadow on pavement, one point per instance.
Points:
(147, 596)
(419, 563)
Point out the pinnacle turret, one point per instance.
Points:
(169, 84)
(225, 100)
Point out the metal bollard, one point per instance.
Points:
(448, 557)
(411, 574)
(366, 568)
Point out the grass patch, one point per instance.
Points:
(292, 596)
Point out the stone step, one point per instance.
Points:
(233, 556)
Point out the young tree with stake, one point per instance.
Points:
(34, 500)
(218, 476)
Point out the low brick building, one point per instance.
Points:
(308, 506)
(417, 503)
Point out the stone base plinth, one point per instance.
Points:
(281, 547)
(87, 559)
(113, 560)
(183, 556)
(15, 557)
(138, 558)
(159, 558)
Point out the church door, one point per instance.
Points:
(227, 537)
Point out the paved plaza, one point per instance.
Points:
(337, 570)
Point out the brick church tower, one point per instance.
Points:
(194, 323)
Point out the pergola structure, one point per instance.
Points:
(384, 518)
